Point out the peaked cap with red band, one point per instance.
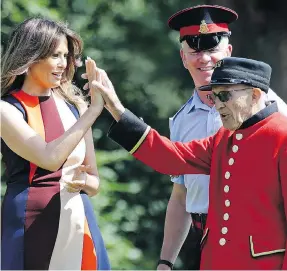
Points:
(202, 19)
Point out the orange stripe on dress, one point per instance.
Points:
(89, 256)
(32, 107)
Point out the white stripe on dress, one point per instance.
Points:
(67, 253)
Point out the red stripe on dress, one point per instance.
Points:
(43, 203)
(47, 185)
(52, 121)
(41, 224)
(54, 128)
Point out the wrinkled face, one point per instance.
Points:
(47, 73)
(201, 64)
(239, 106)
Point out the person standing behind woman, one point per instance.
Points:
(204, 36)
(48, 151)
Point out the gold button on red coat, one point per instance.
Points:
(231, 161)
(226, 216)
(227, 175)
(235, 148)
(224, 230)
(222, 241)
(239, 136)
(227, 203)
(226, 188)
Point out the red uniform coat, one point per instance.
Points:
(246, 225)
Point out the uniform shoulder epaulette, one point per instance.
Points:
(182, 107)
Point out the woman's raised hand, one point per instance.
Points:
(92, 73)
(100, 82)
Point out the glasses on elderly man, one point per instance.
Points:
(224, 95)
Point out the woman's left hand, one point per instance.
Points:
(79, 180)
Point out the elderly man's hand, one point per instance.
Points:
(103, 84)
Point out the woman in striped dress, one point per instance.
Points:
(47, 147)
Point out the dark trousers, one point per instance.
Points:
(195, 236)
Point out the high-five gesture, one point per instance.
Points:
(99, 80)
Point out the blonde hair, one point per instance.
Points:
(36, 39)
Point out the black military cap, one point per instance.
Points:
(202, 26)
(234, 70)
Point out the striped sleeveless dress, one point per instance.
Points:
(43, 226)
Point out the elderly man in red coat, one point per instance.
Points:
(246, 159)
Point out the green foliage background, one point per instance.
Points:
(131, 41)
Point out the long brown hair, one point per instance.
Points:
(36, 39)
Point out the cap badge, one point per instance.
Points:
(218, 64)
(203, 28)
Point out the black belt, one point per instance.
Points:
(199, 220)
